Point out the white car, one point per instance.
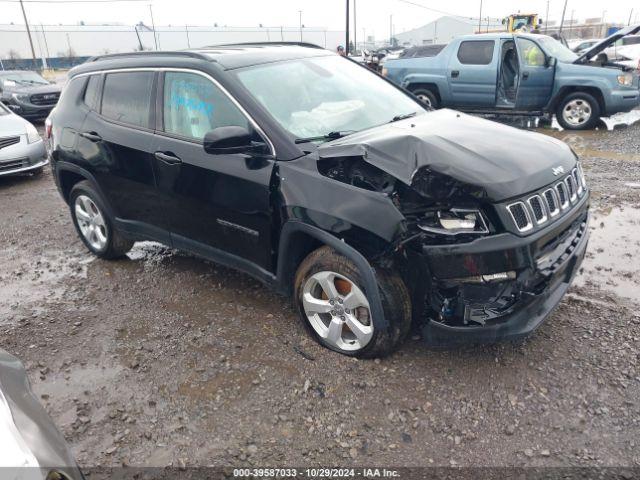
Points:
(614, 51)
(21, 147)
(629, 56)
(582, 45)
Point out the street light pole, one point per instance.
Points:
(480, 19)
(153, 25)
(546, 19)
(26, 24)
(355, 28)
(300, 23)
(346, 46)
(564, 10)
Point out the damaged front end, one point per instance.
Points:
(481, 263)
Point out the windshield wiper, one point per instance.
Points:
(403, 116)
(328, 136)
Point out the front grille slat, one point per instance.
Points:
(520, 216)
(539, 213)
(8, 141)
(552, 202)
(13, 164)
(44, 99)
(571, 188)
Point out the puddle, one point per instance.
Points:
(612, 261)
(33, 281)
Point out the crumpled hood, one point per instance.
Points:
(501, 161)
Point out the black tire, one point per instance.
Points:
(593, 105)
(116, 245)
(37, 172)
(394, 295)
(426, 96)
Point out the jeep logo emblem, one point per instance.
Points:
(557, 170)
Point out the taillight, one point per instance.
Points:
(47, 128)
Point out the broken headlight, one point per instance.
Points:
(454, 221)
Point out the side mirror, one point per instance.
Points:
(232, 139)
(550, 62)
(540, 22)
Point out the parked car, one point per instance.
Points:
(28, 94)
(629, 56)
(613, 52)
(582, 45)
(21, 147)
(521, 74)
(32, 446)
(327, 182)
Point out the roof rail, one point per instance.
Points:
(258, 44)
(184, 53)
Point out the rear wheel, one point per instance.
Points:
(93, 224)
(578, 111)
(335, 308)
(426, 96)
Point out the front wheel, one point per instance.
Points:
(578, 111)
(334, 306)
(427, 97)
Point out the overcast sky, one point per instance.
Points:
(372, 15)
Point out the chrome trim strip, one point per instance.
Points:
(556, 201)
(576, 178)
(566, 195)
(529, 225)
(188, 70)
(544, 210)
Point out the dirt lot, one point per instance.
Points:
(164, 359)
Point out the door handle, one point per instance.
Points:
(91, 136)
(455, 73)
(525, 75)
(167, 158)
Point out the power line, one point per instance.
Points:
(438, 11)
(53, 2)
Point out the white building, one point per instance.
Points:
(445, 29)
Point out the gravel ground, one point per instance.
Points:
(165, 359)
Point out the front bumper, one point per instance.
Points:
(623, 100)
(545, 264)
(22, 157)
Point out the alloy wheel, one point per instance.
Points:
(424, 99)
(338, 310)
(91, 222)
(577, 112)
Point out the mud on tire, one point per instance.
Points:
(393, 293)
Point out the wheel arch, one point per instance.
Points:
(432, 87)
(69, 175)
(298, 239)
(596, 92)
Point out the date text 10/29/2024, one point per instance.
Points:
(320, 473)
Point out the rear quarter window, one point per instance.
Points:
(476, 52)
(91, 92)
(126, 97)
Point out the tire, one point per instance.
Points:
(569, 110)
(376, 341)
(108, 244)
(426, 96)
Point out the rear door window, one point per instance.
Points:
(476, 52)
(126, 97)
(193, 106)
(91, 92)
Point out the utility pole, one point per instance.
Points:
(46, 45)
(300, 23)
(186, 29)
(153, 25)
(346, 45)
(355, 28)
(135, 27)
(26, 24)
(564, 10)
(390, 29)
(630, 15)
(571, 22)
(604, 12)
(480, 18)
(546, 19)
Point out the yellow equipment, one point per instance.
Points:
(521, 22)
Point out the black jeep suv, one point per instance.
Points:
(325, 181)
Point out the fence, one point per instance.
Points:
(60, 42)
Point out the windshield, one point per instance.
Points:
(555, 49)
(312, 97)
(23, 78)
